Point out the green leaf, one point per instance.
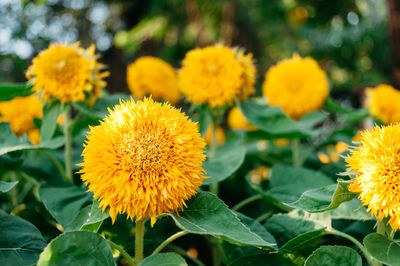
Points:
(208, 215)
(51, 111)
(350, 210)
(164, 259)
(323, 198)
(263, 259)
(64, 202)
(301, 244)
(9, 91)
(10, 142)
(334, 255)
(77, 248)
(226, 161)
(89, 215)
(354, 116)
(382, 249)
(20, 241)
(205, 118)
(100, 108)
(287, 183)
(288, 226)
(334, 107)
(7, 186)
(273, 121)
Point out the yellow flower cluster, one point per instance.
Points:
(152, 76)
(376, 163)
(236, 120)
(144, 159)
(298, 85)
(383, 103)
(334, 152)
(20, 112)
(216, 75)
(67, 73)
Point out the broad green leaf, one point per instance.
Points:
(350, 210)
(7, 186)
(64, 201)
(263, 259)
(288, 226)
(334, 255)
(9, 91)
(208, 215)
(274, 122)
(354, 116)
(323, 198)
(287, 183)
(233, 252)
(382, 249)
(89, 215)
(100, 108)
(164, 259)
(205, 119)
(20, 241)
(226, 161)
(51, 112)
(77, 248)
(331, 105)
(10, 142)
(301, 244)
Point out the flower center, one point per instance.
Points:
(144, 152)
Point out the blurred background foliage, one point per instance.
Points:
(350, 38)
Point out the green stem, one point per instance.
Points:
(380, 229)
(366, 253)
(264, 217)
(139, 241)
(246, 201)
(214, 188)
(122, 252)
(183, 253)
(296, 152)
(169, 240)
(68, 145)
(59, 166)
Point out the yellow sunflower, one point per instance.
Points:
(152, 76)
(67, 73)
(298, 85)
(376, 163)
(20, 112)
(144, 159)
(211, 75)
(249, 73)
(383, 103)
(236, 120)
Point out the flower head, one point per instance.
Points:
(67, 73)
(236, 120)
(144, 159)
(383, 103)
(152, 76)
(377, 164)
(20, 112)
(298, 85)
(211, 75)
(249, 73)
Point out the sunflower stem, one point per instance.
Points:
(380, 229)
(139, 241)
(59, 166)
(214, 188)
(367, 255)
(246, 201)
(296, 152)
(122, 251)
(68, 145)
(169, 240)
